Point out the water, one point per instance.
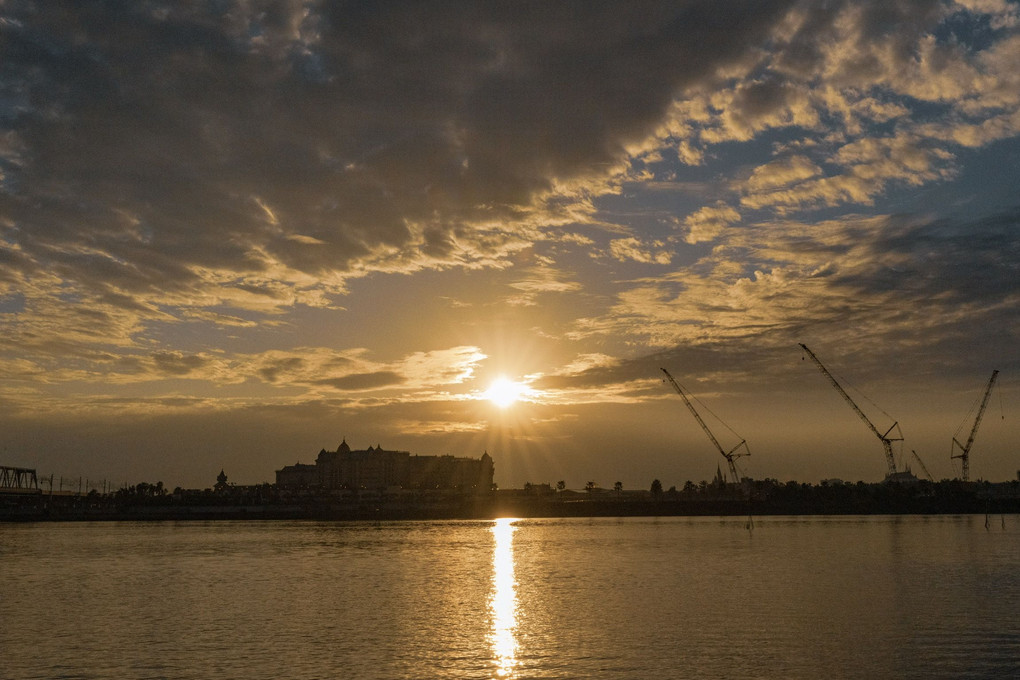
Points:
(836, 597)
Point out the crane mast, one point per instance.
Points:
(728, 455)
(964, 454)
(887, 441)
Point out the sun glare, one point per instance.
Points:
(504, 392)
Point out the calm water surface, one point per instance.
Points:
(834, 597)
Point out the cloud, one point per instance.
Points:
(709, 222)
(919, 280)
(353, 370)
(305, 139)
(586, 362)
(870, 165)
(752, 107)
(177, 363)
(539, 280)
(217, 164)
(274, 368)
(782, 173)
(451, 366)
(624, 249)
(272, 376)
(364, 381)
(867, 96)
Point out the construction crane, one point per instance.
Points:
(887, 441)
(923, 466)
(730, 455)
(964, 454)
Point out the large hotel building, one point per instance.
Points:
(376, 469)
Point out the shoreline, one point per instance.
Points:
(469, 508)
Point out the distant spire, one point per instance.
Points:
(221, 481)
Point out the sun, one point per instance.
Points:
(504, 392)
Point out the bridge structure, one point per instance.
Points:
(18, 481)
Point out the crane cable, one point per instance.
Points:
(1002, 409)
(969, 417)
(720, 420)
(861, 394)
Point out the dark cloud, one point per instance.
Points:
(167, 137)
(364, 381)
(285, 366)
(970, 262)
(176, 363)
(937, 295)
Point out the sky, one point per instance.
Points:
(233, 233)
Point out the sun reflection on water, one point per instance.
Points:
(503, 602)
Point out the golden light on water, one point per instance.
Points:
(503, 601)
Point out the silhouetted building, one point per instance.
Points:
(298, 476)
(376, 468)
(903, 477)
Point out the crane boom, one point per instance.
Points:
(923, 466)
(964, 455)
(887, 441)
(728, 455)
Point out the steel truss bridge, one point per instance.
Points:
(14, 480)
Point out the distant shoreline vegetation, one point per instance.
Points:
(146, 501)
